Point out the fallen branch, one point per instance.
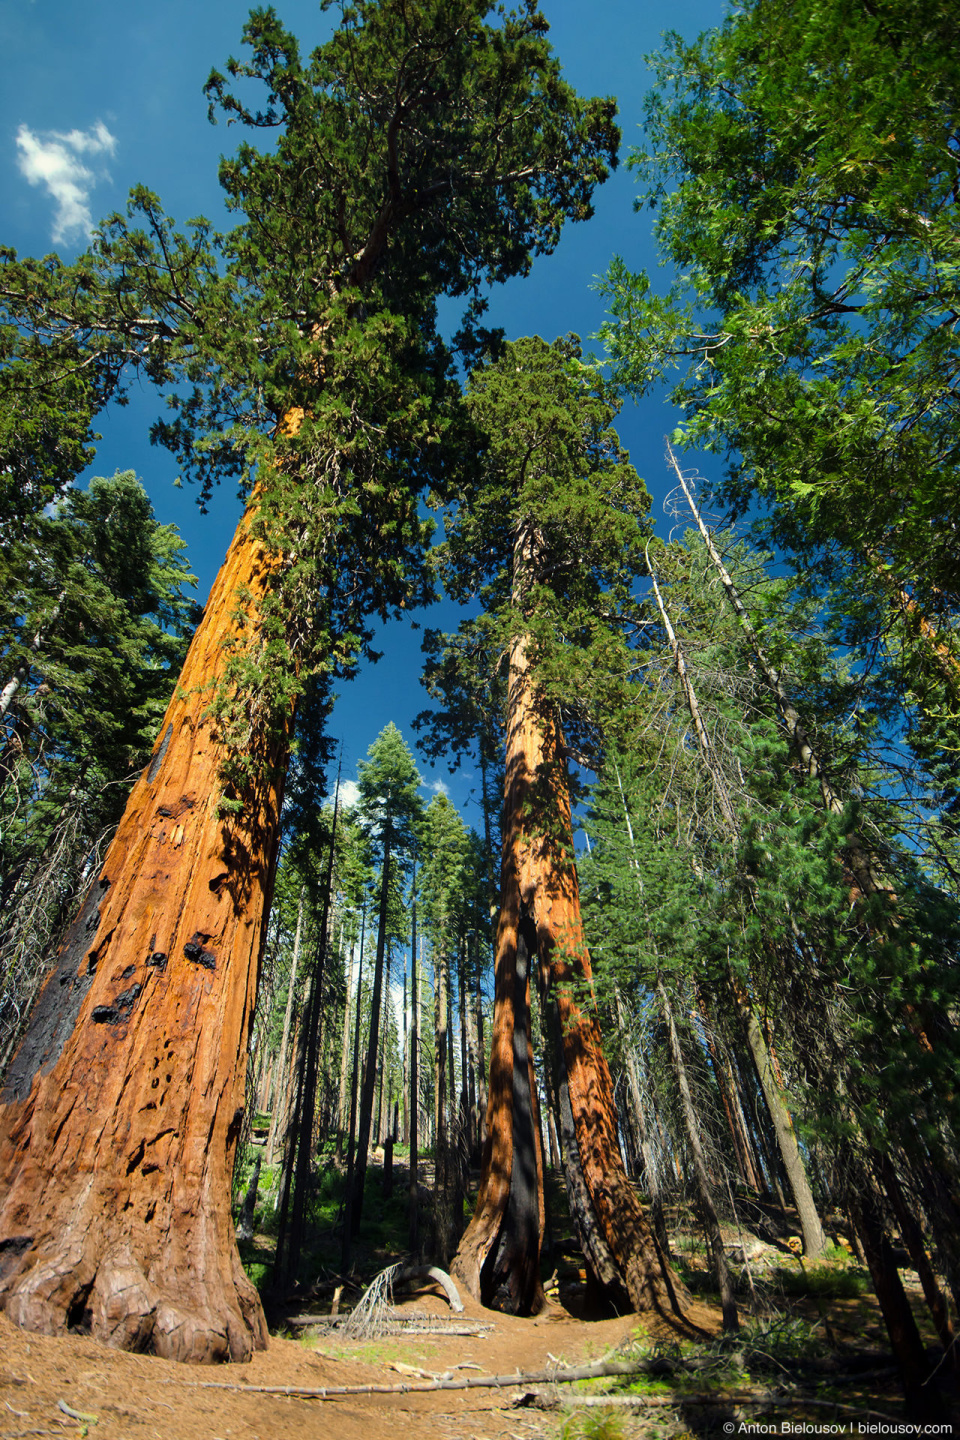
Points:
(606, 1369)
(552, 1376)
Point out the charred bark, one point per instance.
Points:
(122, 1107)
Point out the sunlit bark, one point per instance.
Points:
(540, 917)
(122, 1107)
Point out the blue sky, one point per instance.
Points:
(104, 95)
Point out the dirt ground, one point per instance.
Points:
(138, 1397)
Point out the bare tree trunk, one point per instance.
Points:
(473, 1066)
(741, 1149)
(354, 1104)
(440, 1070)
(540, 916)
(370, 1069)
(728, 1303)
(280, 1103)
(123, 1104)
(345, 1052)
(650, 1170)
(413, 1241)
(814, 1240)
(482, 1096)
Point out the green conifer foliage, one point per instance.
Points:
(802, 167)
(94, 618)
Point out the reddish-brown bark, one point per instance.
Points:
(122, 1107)
(541, 912)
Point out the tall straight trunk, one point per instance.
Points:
(453, 1106)
(440, 1156)
(541, 914)
(123, 1104)
(814, 1239)
(281, 1086)
(648, 1160)
(473, 1113)
(370, 1069)
(550, 1094)
(405, 1065)
(691, 1124)
(741, 1148)
(345, 1053)
(354, 1105)
(307, 1115)
(413, 1234)
(465, 1140)
(482, 1096)
(383, 1079)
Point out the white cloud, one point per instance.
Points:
(53, 158)
(349, 792)
(439, 787)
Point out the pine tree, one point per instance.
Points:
(93, 624)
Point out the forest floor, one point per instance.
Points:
(816, 1355)
(110, 1395)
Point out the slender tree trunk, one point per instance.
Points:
(354, 1105)
(473, 1112)
(123, 1104)
(454, 1155)
(553, 1142)
(741, 1148)
(370, 1069)
(650, 1169)
(708, 1209)
(540, 899)
(312, 1053)
(345, 1053)
(280, 1105)
(439, 1072)
(482, 1096)
(814, 1240)
(413, 1241)
(405, 1067)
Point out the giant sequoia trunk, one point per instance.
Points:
(122, 1107)
(540, 922)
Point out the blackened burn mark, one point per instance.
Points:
(158, 758)
(195, 951)
(218, 882)
(116, 1013)
(157, 961)
(55, 1014)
